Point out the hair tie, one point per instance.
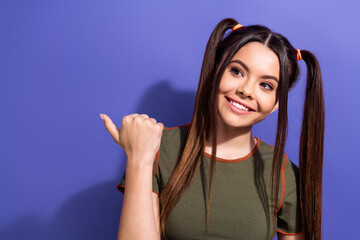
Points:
(237, 26)
(298, 54)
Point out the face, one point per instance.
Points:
(247, 89)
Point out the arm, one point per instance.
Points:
(140, 206)
(299, 236)
(140, 137)
(156, 207)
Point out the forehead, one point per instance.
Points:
(259, 58)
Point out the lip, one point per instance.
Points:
(250, 109)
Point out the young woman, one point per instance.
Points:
(172, 188)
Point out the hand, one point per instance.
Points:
(140, 135)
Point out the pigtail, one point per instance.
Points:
(199, 132)
(311, 150)
(281, 134)
(209, 69)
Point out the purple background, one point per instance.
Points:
(64, 62)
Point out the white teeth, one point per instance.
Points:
(239, 106)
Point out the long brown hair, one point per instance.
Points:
(220, 49)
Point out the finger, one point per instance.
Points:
(111, 127)
(160, 125)
(144, 115)
(133, 115)
(152, 120)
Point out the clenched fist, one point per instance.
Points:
(139, 136)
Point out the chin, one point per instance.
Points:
(235, 123)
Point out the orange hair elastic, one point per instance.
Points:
(237, 26)
(298, 54)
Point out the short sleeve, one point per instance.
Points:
(155, 180)
(288, 217)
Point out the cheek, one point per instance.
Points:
(266, 102)
(222, 86)
(227, 85)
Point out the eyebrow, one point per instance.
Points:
(248, 70)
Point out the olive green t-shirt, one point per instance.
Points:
(240, 194)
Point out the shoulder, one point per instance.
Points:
(174, 131)
(289, 168)
(174, 135)
(172, 144)
(266, 151)
(173, 141)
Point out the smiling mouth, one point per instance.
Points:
(239, 105)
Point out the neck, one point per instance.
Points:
(232, 142)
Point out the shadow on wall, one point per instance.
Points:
(91, 214)
(95, 212)
(165, 104)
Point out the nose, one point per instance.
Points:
(246, 90)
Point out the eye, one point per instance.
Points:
(236, 71)
(267, 86)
